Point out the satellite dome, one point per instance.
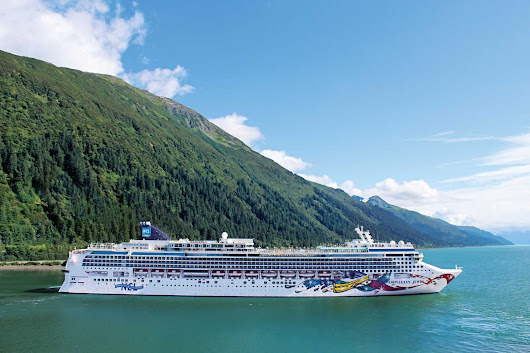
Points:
(392, 243)
(224, 235)
(401, 243)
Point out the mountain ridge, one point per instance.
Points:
(84, 157)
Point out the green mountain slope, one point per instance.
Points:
(439, 229)
(84, 157)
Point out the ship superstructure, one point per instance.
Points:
(234, 267)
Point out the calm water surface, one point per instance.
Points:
(486, 309)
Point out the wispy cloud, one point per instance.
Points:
(495, 175)
(518, 151)
(446, 137)
(512, 160)
(444, 133)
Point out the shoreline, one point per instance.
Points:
(31, 268)
(44, 265)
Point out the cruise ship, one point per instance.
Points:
(157, 265)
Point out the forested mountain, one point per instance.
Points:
(440, 229)
(85, 157)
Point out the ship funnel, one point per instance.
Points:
(150, 232)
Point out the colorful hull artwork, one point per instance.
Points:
(361, 282)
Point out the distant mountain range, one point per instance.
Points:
(517, 236)
(440, 229)
(84, 157)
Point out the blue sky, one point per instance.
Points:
(410, 100)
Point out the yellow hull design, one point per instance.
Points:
(343, 287)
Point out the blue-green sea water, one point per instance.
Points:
(486, 309)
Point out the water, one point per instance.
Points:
(486, 309)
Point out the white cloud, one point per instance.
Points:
(349, 187)
(288, 162)
(162, 82)
(323, 179)
(503, 205)
(494, 199)
(500, 206)
(419, 196)
(459, 219)
(85, 35)
(407, 193)
(235, 125)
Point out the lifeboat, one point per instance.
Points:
(287, 274)
(173, 272)
(191, 273)
(251, 274)
(157, 272)
(307, 274)
(338, 274)
(234, 273)
(269, 274)
(218, 273)
(324, 274)
(141, 271)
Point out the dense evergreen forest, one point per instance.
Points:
(85, 157)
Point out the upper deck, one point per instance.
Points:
(245, 247)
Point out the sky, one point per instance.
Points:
(422, 103)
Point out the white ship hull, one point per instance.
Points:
(260, 287)
(234, 268)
